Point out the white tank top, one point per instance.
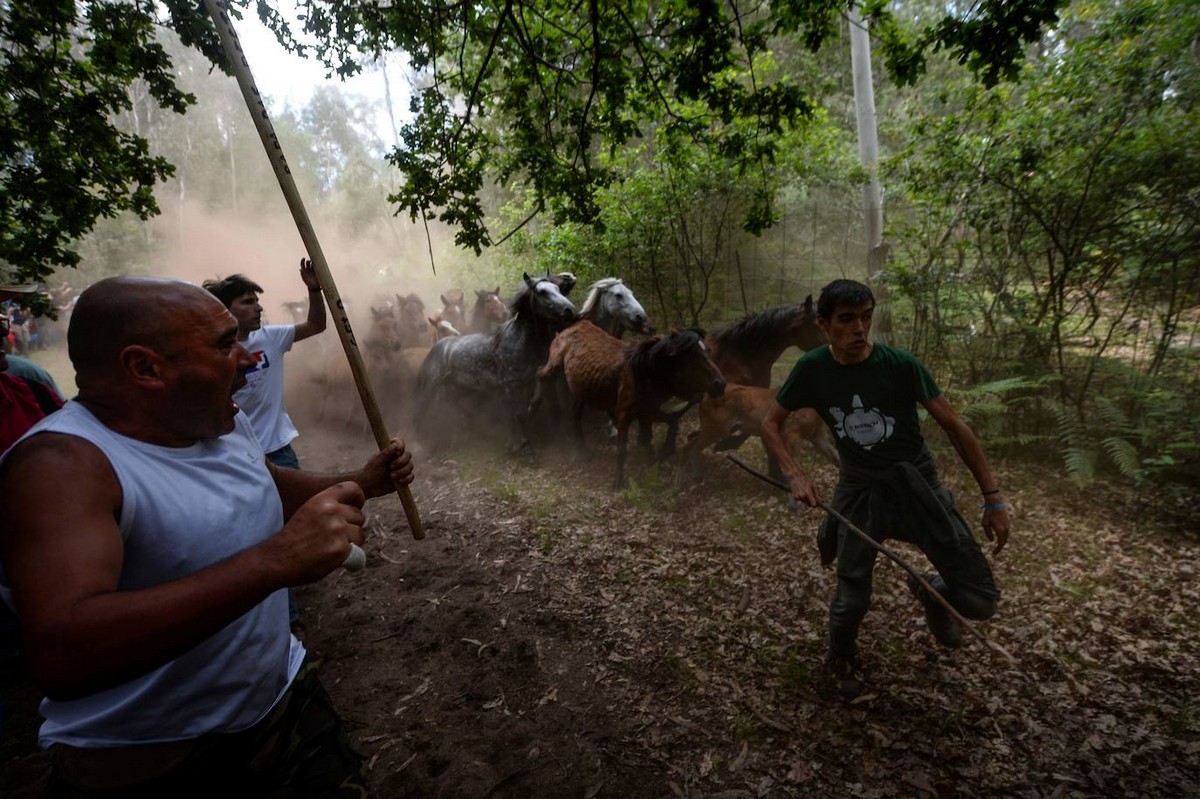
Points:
(184, 509)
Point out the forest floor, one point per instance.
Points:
(552, 638)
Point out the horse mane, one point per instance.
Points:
(597, 290)
(523, 301)
(757, 329)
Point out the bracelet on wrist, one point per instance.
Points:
(995, 506)
(993, 491)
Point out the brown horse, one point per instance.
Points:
(739, 412)
(629, 381)
(488, 312)
(591, 362)
(454, 310)
(658, 370)
(383, 337)
(746, 350)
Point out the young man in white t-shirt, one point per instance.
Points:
(262, 397)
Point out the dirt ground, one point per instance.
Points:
(551, 638)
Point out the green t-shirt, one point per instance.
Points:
(871, 406)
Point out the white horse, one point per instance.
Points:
(611, 306)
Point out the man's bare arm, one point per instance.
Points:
(63, 561)
(996, 522)
(390, 466)
(316, 321)
(803, 488)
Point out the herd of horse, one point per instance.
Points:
(522, 365)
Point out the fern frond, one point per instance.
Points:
(1124, 456)
(1070, 426)
(1002, 386)
(1081, 464)
(1112, 416)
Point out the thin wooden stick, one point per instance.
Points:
(266, 132)
(889, 553)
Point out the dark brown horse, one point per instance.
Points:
(658, 370)
(411, 322)
(746, 350)
(630, 381)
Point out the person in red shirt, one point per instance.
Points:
(23, 400)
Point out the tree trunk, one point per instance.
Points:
(868, 153)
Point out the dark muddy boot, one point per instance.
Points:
(845, 674)
(943, 626)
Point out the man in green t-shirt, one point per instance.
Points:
(888, 483)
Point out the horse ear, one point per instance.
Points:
(528, 279)
(497, 291)
(445, 301)
(808, 302)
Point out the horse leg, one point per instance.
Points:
(689, 457)
(645, 433)
(668, 445)
(427, 418)
(535, 402)
(520, 437)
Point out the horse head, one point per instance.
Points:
(746, 349)
(442, 328)
(411, 321)
(542, 301)
(489, 311)
(611, 306)
(802, 326)
(384, 334)
(454, 309)
(680, 362)
(565, 281)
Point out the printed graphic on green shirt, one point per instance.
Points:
(865, 427)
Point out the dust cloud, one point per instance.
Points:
(369, 268)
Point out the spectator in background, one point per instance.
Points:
(27, 395)
(262, 396)
(23, 367)
(27, 392)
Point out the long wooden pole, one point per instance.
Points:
(888, 553)
(262, 121)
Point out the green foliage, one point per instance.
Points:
(66, 69)
(540, 92)
(1052, 231)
